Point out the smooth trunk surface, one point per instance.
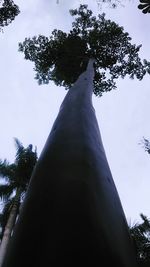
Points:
(72, 215)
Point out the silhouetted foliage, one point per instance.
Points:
(146, 144)
(111, 3)
(63, 56)
(8, 11)
(145, 6)
(15, 175)
(140, 233)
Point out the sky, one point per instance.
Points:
(28, 110)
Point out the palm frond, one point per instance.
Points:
(18, 144)
(26, 161)
(5, 192)
(19, 148)
(146, 144)
(7, 170)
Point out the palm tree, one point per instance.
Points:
(16, 178)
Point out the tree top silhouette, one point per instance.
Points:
(62, 57)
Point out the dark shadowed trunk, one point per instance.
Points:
(72, 215)
(9, 226)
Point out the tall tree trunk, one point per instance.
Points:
(72, 215)
(9, 227)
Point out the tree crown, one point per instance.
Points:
(62, 57)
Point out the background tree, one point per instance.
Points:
(8, 11)
(140, 233)
(112, 3)
(16, 177)
(144, 4)
(98, 38)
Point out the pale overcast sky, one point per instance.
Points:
(29, 110)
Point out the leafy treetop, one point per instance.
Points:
(8, 11)
(63, 56)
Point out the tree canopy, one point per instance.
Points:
(8, 11)
(62, 57)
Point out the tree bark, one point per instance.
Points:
(9, 227)
(72, 214)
